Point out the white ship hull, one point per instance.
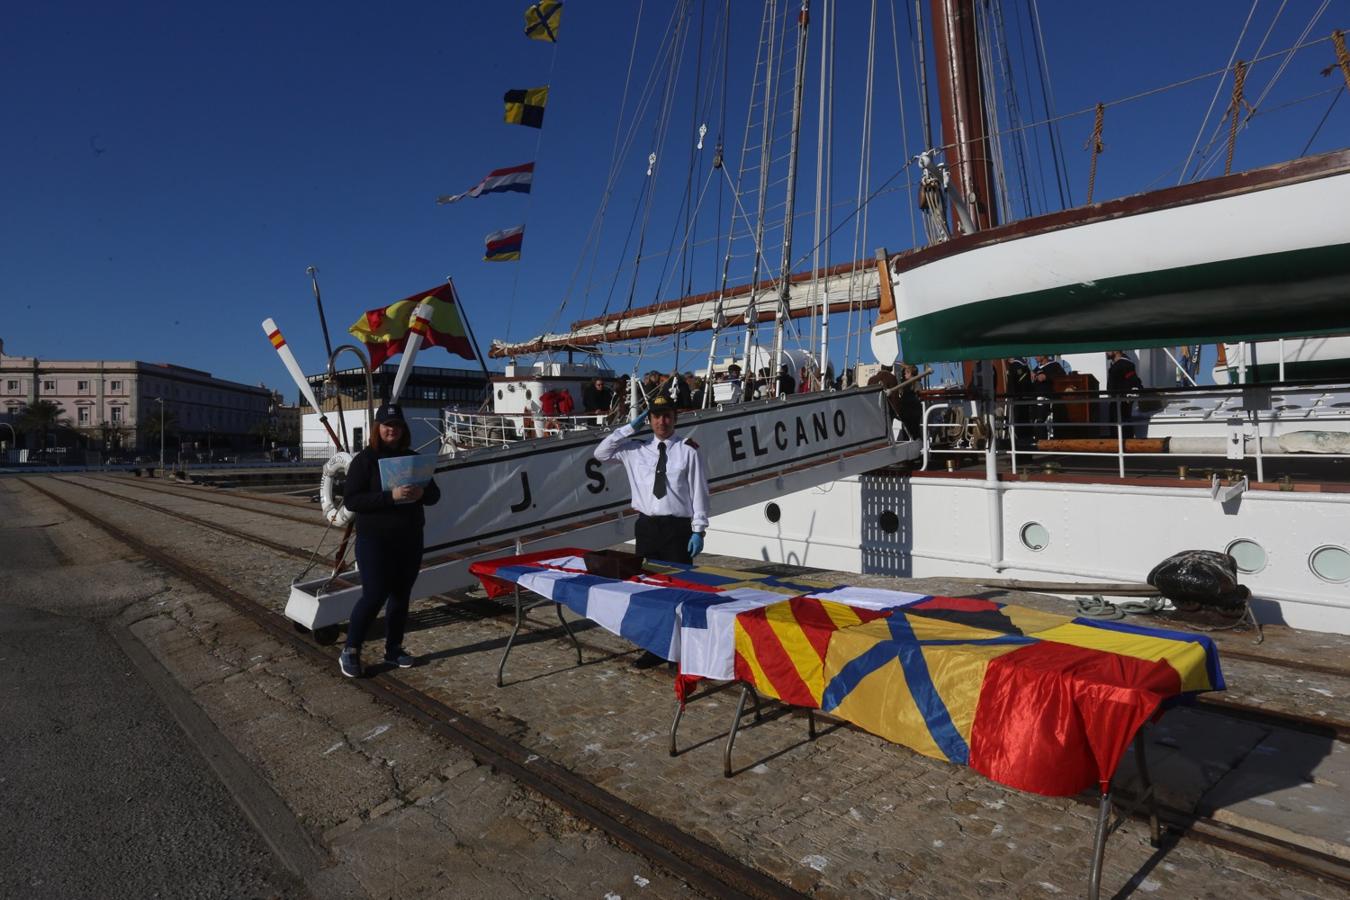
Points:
(957, 526)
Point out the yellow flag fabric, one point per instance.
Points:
(384, 331)
(542, 20)
(525, 106)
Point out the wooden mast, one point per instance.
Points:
(965, 132)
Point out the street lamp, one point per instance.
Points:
(160, 401)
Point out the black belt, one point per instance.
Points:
(666, 518)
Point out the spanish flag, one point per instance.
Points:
(504, 245)
(384, 331)
(525, 106)
(542, 19)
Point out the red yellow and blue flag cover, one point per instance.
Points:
(1038, 701)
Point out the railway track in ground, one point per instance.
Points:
(305, 513)
(1318, 726)
(701, 865)
(659, 841)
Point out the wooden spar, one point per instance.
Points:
(1124, 589)
(1104, 445)
(697, 312)
(885, 289)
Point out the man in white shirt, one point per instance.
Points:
(668, 483)
(669, 487)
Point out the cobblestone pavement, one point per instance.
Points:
(845, 815)
(399, 812)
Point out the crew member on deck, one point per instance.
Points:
(669, 488)
(1047, 370)
(596, 397)
(1121, 378)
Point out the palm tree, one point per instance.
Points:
(110, 435)
(151, 424)
(40, 418)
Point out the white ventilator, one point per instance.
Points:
(417, 330)
(273, 333)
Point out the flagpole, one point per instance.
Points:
(463, 317)
(318, 300)
(328, 347)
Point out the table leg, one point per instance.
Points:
(1150, 793)
(520, 616)
(1099, 847)
(746, 690)
(568, 629)
(675, 725)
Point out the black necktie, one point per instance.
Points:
(659, 485)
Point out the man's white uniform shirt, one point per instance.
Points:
(686, 481)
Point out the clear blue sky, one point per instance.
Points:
(171, 169)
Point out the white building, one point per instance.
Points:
(110, 403)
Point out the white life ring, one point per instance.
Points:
(333, 471)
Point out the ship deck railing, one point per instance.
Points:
(468, 431)
(950, 426)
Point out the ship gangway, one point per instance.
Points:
(551, 492)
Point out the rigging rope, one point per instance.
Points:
(1095, 143)
(1217, 89)
(864, 163)
(1284, 64)
(1048, 101)
(529, 199)
(904, 128)
(1235, 110)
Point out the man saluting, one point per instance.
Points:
(669, 488)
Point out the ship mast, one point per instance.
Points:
(784, 278)
(965, 133)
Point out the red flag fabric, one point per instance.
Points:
(384, 331)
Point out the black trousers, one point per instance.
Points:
(388, 570)
(665, 538)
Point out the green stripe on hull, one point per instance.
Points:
(1292, 294)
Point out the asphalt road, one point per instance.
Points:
(101, 794)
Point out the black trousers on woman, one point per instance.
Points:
(388, 570)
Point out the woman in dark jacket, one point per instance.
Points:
(388, 540)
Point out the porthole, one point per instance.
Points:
(500, 395)
(1330, 563)
(1250, 556)
(1035, 536)
(528, 395)
(773, 513)
(889, 522)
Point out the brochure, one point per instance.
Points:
(397, 471)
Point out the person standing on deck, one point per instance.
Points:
(596, 397)
(1047, 370)
(1121, 378)
(734, 379)
(669, 487)
(388, 540)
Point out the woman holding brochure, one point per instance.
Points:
(387, 498)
